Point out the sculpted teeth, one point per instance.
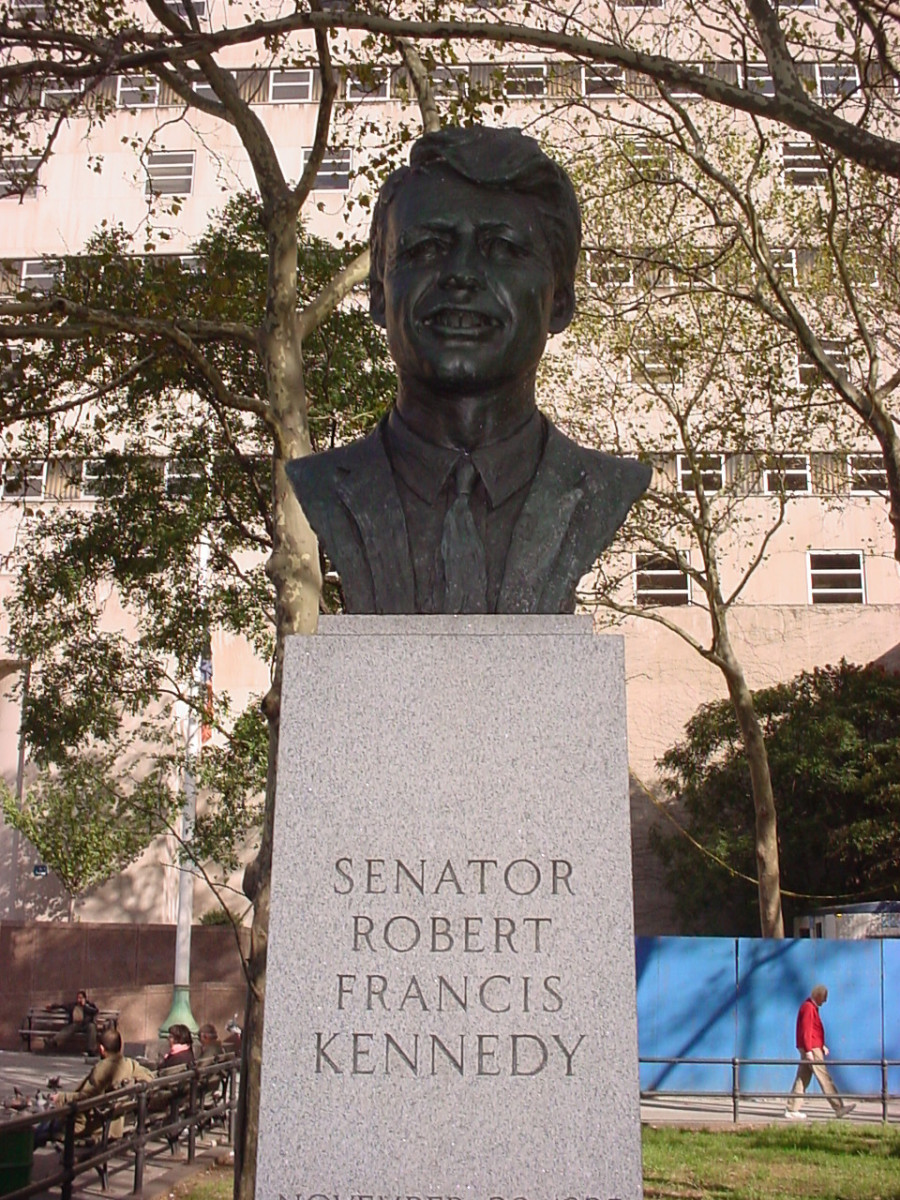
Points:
(460, 319)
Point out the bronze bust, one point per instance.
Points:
(466, 498)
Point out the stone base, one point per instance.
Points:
(450, 1001)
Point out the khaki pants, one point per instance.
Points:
(813, 1063)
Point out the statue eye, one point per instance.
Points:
(425, 249)
(495, 245)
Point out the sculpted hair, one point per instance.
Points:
(502, 159)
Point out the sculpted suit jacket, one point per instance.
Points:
(576, 502)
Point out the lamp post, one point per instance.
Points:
(180, 1012)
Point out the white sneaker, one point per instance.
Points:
(793, 1114)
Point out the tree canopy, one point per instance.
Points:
(833, 742)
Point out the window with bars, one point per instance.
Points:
(367, 85)
(40, 274)
(19, 176)
(868, 476)
(710, 467)
(787, 473)
(660, 582)
(836, 577)
(525, 81)
(23, 479)
(291, 86)
(803, 164)
(334, 173)
(100, 477)
(836, 80)
(170, 173)
(836, 351)
(758, 78)
(603, 80)
(182, 477)
(137, 91)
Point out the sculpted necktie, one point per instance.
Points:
(465, 573)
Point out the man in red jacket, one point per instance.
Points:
(811, 1044)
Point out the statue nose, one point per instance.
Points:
(464, 268)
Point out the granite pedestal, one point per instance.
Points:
(450, 998)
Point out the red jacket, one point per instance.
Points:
(810, 1030)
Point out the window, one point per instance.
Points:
(759, 79)
(371, 84)
(40, 274)
(204, 89)
(787, 473)
(34, 10)
(291, 87)
(182, 477)
(334, 173)
(100, 477)
(683, 91)
(837, 80)
(60, 95)
(14, 172)
(450, 83)
(170, 173)
(803, 164)
(711, 468)
(785, 261)
(836, 351)
(605, 269)
(179, 7)
(604, 81)
(650, 159)
(137, 91)
(868, 475)
(23, 479)
(659, 582)
(639, 3)
(836, 577)
(651, 365)
(525, 82)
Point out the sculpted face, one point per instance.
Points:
(469, 294)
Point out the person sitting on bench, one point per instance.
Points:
(82, 1014)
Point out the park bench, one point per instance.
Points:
(41, 1024)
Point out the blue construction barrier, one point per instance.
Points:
(726, 998)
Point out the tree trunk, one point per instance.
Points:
(768, 873)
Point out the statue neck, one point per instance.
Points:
(465, 421)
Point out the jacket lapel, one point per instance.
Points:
(542, 525)
(382, 530)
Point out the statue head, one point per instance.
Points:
(474, 251)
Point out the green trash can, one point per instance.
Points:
(16, 1157)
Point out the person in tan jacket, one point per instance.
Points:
(112, 1071)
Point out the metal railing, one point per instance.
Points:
(735, 1092)
(156, 1114)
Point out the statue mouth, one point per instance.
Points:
(460, 320)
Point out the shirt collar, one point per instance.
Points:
(504, 467)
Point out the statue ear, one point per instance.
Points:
(376, 302)
(563, 309)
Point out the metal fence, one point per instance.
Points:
(157, 1116)
(736, 1093)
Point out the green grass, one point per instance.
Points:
(826, 1161)
(815, 1162)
